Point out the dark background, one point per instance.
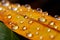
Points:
(51, 6)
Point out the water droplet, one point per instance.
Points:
(55, 27)
(51, 23)
(51, 36)
(49, 30)
(24, 28)
(38, 28)
(39, 10)
(58, 18)
(37, 33)
(29, 35)
(15, 9)
(46, 13)
(18, 17)
(25, 17)
(9, 7)
(33, 10)
(9, 16)
(20, 9)
(27, 6)
(42, 19)
(1, 8)
(10, 23)
(41, 37)
(30, 22)
(15, 27)
(18, 5)
(21, 22)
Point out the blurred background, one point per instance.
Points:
(51, 6)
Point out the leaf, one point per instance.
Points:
(7, 34)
